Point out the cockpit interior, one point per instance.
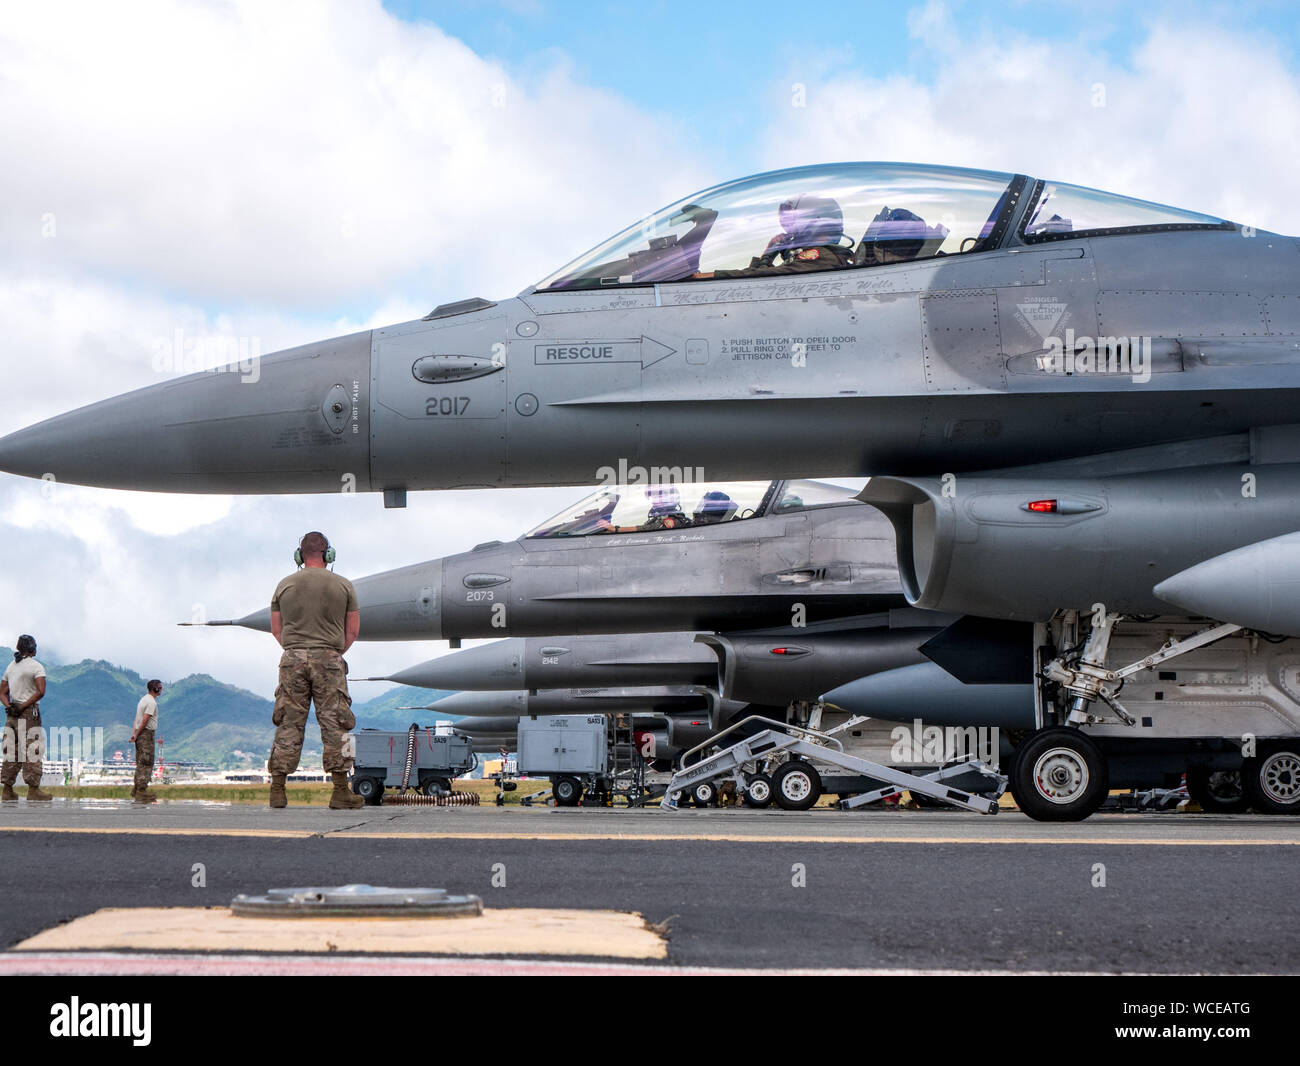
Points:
(670, 505)
(854, 215)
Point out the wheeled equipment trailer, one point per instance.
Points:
(590, 760)
(418, 758)
(796, 783)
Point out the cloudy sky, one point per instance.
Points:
(297, 170)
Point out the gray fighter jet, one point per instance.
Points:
(793, 582)
(846, 319)
(773, 667)
(708, 556)
(567, 662)
(1070, 401)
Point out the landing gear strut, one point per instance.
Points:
(1059, 773)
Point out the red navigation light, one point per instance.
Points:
(1042, 506)
(780, 651)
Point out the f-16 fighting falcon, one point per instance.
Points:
(1077, 410)
(631, 558)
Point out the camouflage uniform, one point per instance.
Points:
(144, 753)
(311, 675)
(23, 737)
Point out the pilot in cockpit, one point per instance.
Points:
(812, 229)
(665, 512)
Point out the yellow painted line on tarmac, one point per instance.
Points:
(726, 838)
(520, 930)
(809, 838)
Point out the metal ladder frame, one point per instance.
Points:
(626, 767)
(824, 748)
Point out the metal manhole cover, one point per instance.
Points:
(357, 901)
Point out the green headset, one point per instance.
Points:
(330, 553)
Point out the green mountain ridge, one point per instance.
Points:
(200, 719)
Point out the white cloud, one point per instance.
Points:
(1203, 117)
(273, 174)
(295, 171)
(90, 577)
(300, 154)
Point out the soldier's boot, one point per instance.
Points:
(143, 795)
(8, 795)
(34, 793)
(278, 798)
(343, 798)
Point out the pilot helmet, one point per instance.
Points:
(664, 499)
(810, 220)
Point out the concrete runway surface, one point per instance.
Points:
(875, 891)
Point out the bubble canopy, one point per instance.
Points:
(871, 214)
(674, 505)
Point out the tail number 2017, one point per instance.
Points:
(446, 405)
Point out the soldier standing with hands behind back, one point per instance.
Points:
(143, 730)
(315, 617)
(21, 690)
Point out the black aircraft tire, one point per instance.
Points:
(796, 786)
(369, 789)
(567, 791)
(1213, 790)
(1059, 775)
(1271, 780)
(705, 794)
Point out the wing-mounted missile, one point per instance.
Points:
(1257, 586)
(1021, 548)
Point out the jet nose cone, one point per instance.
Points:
(259, 620)
(296, 421)
(483, 704)
(1257, 586)
(486, 668)
(402, 604)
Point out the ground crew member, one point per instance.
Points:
(314, 616)
(21, 690)
(143, 730)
